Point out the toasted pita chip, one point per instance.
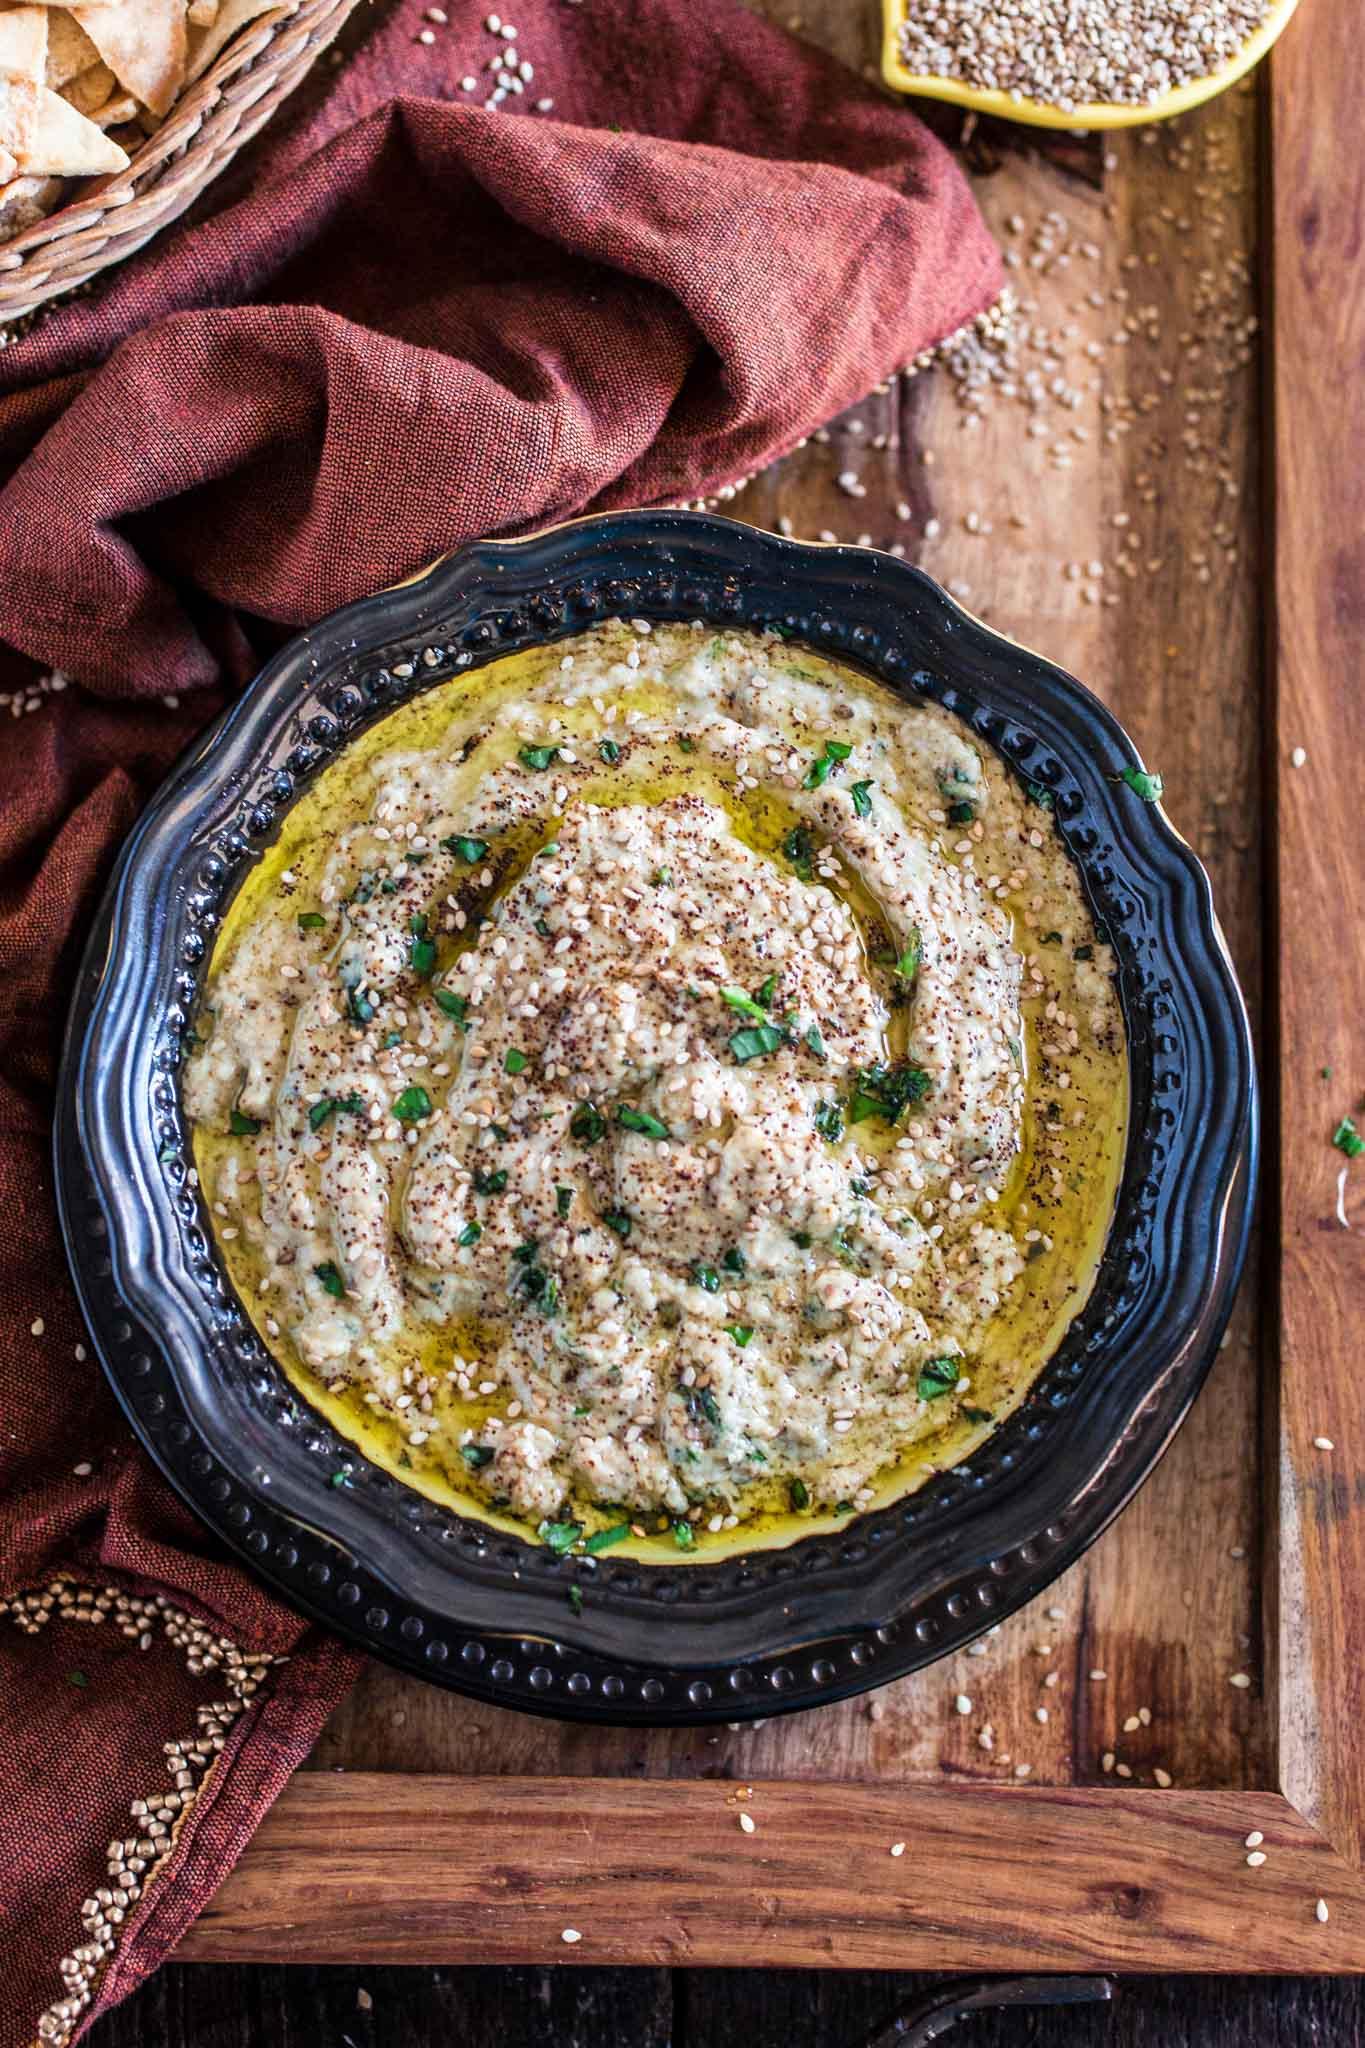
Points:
(202, 13)
(69, 49)
(23, 42)
(91, 89)
(26, 200)
(49, 138)
(232, 15)
(122, 107)
(143, 43)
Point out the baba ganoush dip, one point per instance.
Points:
(662, 1084)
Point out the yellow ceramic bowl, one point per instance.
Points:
(1100, 114)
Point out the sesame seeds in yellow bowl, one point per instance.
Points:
(1076, 63)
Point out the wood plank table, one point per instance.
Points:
(1157, 484)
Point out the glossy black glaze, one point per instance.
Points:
(487, 1613)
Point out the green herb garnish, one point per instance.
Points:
(538, 757)
(587, 1124)
(490, 1183)
(734, 1260)
(1149, 787)
(331, 1105)
(821, 770)
(413, 1104)
(1083, 953)
(861, 793)
(609, 751)
(1347, 1139)
(938, 1376)
(563, 1201)
(470, 850)
(312, 921)
(1036, 794)
(341, 1477)
(683, 1536)
(908, 964)
(604, 1539)
(829, 1121)
(422, 952)
(755, 1041)
(451, 1005)
(617, 1220)
(977, 1414)
(243, 1126)
(576, 1598)
(471, 1234)
(516, 1062)
(800, 1495)
(961, 814)
(799, 848)
(640, 1120)
(559, 1536)
(476, 1456)
(887, 1091)
(707, 1277)
(741, 1332)
(332, 1281)
(748, 1006)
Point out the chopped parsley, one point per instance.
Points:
(559, 1536)
(961, 814)
(816, 1042)
(604, 1539)
(312, 921)
(799, 848)
(702, 1405)
(938, 1376)
(908, 964)
(686, 745)
(413, 1104)
(563, 1201)
(741, 1332)
(683, 1536)
(661, 878)
(538, 757)
(243, 1126)
(861, 793)
(887, 1091)
(452, 1005)
(820, 771)
(463, 848)
(617, 1220)
(609, 751)
(422, 953)
(707, 1277)
(531, 1283)
(977, 1414)
(755, 1040)
(631, 1119)
(748, 1006)
(1347, 1139)
(576, 1598)
(471, 1234)
(800, 1494)
(476, 1456)
(1036, 794)
(330, 1105)
(1083, 953)
(332, 1281)
(516, 1062)
(1149, 787)
(490, 1183)
(829, 1121)
(734, 1261)
(587, 1124)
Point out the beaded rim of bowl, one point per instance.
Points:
(448, 1596)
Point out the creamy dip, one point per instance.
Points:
(661, 1081)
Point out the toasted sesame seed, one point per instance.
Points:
(962, 1703)
(1321, 1910)
(748, 1824)
(571, 1935)
(1254, 1839)
(898, 1848)
(1256, 1859)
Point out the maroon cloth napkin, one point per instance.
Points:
(400, 322)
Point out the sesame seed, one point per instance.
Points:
(962, 1704)
(1323, 1443)
(1256, 1859)
(1298, 757)
(748, 1824)
(1254, 1839)
(37, 1326)
(1321, 1911)
(1240, 1679)
(571, 1935)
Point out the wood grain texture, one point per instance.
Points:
(1137, 271)
(1318, 633)
(393, 1869)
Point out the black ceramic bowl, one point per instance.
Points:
(490, 1614)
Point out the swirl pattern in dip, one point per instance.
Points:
(661, 1080)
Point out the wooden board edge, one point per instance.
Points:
(386, 1868)
(1316, 1603)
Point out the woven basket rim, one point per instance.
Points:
(121, 210)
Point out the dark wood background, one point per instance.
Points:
(199, 2005)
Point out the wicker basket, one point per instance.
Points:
(111, 217)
